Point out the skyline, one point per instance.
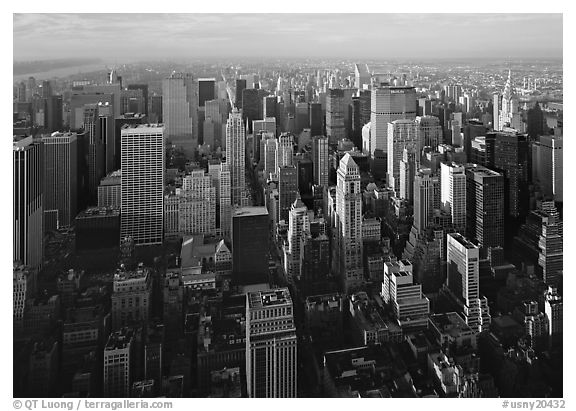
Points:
(382, 36)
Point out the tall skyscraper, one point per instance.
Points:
(535, 122)
(197, 208)
(463, 281)
(430, 132)
(402, 134)
(549, 166)
(271, 345)
(320, 160)
(225, 200)
(206, 90)
(180, 111)
(316, 119)
(60, 176)
(251, 106)
(426, 198)
(106, 128)
(298, 224)
(287, 189)
(240, 86)
(28, 198)
(362, 76)
(284, 151)
(142, 184)
(485, 206)
(270, 148)
(389, 103)
(95, 150)
(349, 223)
(235, 154)
(453, 194)
(335, 129)
(509, 114)
(250, 245)
(407, 173)
(269, 107)
(144, 89)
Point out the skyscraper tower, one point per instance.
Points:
(463, 281)
(180, 111)
(284, 151)
(298, 224)
(235, 154)
(430, 132)
(402, 134)
(60, 176)
(287, 189)
(453, 194)
(550, 166)
(407, 172)
(320, 160)
(271, 345)
(362, 76)
(250, 245)
(95, 150)
(240, 86)
(389, 103)
(509, 114)
(335, 129)
(28, 198)
(142, 183)
(426, 198)
(349, 223)
(485, 206)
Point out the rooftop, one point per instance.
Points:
(250, 211)
(261, 299)
(119, 339)
(94, 212)
(450, 323)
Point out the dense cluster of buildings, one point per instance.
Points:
(286, 234)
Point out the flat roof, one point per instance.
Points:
(250, 211)
(261, 299)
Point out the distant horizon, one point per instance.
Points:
(399, 37)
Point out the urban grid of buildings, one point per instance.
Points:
(322, 230)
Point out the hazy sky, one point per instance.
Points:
(379, 36)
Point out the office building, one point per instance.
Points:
(97, 228)
(287, 189)
(430, 133)
(118, 363)
(240, 87)
(95, 150)
(197, 204)
(463, 281)
(251, 107)
(335, 128)
(206, 90)
(106, 128)
(320, 160)
(269, 107)
(485, 206)
(549, 166)
(235, 156)
(271, 345)
(28, 198)
(250, 244)
(110, 190)
(298, 224)
(131, 297)
(535, 122)
(407, 173)
(554, 310)
(389, 103)
(284, 151)
(143, 88)
(142, 183)
(269, 153)
(60, 174)
(402, 134)
(426, 198)
(509, 114)
(349, 223)
(180, 111)
(362, 76)
(453, 194)
(316, 119)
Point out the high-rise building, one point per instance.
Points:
(240, 87)
(485, 206)
(53, 120)
(206, 90)
(269, 107)
(287, 189)
(407, 173)
(142, 187)
(349, 223)
(95, 150)
(453, 194)
(402, 134)
(118, 359)
(550, 242)
(235, 155)
(320, 160)
(60, 174)
(271, 345)
(426, 198)
(106, 128)
(535, 122)
(250, 245)
(251, 106)
(197, 205)
(316, 119)
(509, 114)
(549, 166)
(270, 149)
(463, 281)
(224, 200)
(389, 103)
(298, 224)
(284, 151)
(554, 310)
(144, 90)
(430, 132)
(335, 128)
(180, 111)
(28, 198)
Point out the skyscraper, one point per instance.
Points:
(95, 150)
(287, 189)
(430, 132)
(60, 176)
(335, 129)
(240, 86)
(142, 184)
(389, 103)
(271, 345)
(509, 115)
(362, 76)
(298, 224)
(28, 198)
(180, 111)
(316, 119)
(197, 208)
(206, 90)
(251, 106)
(118, 358)
(426, 198)
(235, 154)
(402, 134)
(407, 173)
(349, 223)
(320, 160)
(485, 206)
(284, 151)
(250, 243)
(550, 166)
(463, 281)
(453, 194)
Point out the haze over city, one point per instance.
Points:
(387, 36)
